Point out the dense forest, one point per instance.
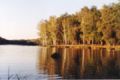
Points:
(88, 26)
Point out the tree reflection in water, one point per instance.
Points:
(76, 63)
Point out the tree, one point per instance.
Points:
(52, 27)
(43, 32)
(110, 23)
(88, 26)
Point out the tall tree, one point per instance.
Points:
(52, 27)
(43, 32)
(110, 22)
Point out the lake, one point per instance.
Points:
(36, 63)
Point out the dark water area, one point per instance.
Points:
(42, 63)
(81, 63)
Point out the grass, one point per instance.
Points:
(18, 76)
(21, 77)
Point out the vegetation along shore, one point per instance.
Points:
(87, 26)
(17, 42)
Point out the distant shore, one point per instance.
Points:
(17, 42)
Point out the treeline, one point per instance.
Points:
(88, 26)
(4, 41)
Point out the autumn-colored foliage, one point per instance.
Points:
(88, 26)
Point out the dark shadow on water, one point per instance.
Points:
(56, 55)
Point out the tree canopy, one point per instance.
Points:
(88, 26)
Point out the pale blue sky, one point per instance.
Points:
(19, 18)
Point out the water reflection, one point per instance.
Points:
(75, 63)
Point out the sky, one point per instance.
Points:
(19, 19)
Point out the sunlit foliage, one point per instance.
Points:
(88, 26)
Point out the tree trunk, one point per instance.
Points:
(92, 41)
(54, 42)
(65, 39)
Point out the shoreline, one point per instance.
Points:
(81, 45)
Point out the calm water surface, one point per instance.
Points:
(36, 63)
